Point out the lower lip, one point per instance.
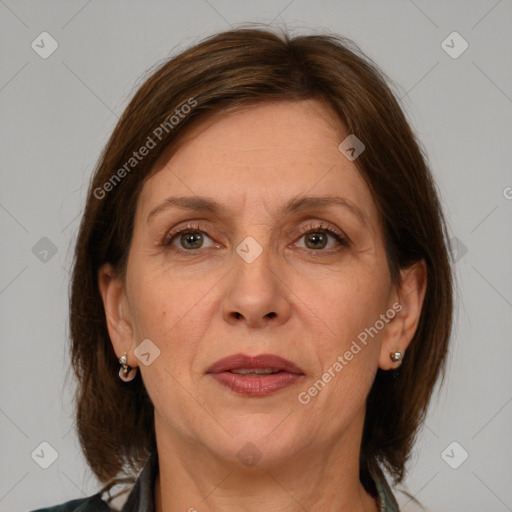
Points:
(256, 386)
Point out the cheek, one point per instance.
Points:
(347, 307)
(345, 302)
(175, 318)
(346, 358)
(173, 314)
(159, 305)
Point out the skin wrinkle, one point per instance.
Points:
(298, 204)
(185, 305)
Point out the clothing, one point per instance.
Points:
(140, 498)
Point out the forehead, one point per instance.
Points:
(262, 155)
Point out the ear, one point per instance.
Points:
(117, 315)
(407, 303)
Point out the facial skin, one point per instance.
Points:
(301, 303)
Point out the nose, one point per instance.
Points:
(256, 294)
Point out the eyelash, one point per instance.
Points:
(310, 228)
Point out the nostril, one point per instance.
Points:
(271, 315)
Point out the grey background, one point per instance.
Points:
(57, 113)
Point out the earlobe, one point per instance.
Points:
(400, 331)
(117, 317)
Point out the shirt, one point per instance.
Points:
(140, 498)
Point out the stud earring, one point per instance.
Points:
(395, 356)
(126, 373)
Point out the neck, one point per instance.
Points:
(322, 478)
(230, 496)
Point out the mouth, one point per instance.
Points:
(255, 376)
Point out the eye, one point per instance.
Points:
(188, 240)
(318, 237)
(191, 239)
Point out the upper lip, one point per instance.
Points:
(237, 361)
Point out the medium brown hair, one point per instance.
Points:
(228, 71)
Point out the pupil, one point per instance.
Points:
(194, 239)
(315, 238)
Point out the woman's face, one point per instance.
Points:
(265, 268)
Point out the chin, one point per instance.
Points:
(261, 446)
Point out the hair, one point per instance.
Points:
(228, 71)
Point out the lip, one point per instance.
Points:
(288, 373)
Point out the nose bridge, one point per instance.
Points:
(252, 262)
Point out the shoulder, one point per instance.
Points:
(90, 504)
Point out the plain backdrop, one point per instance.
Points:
(57, 112)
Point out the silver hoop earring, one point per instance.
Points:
(126, 373)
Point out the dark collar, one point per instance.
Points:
(140, 498)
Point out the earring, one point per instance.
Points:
(395, 356)
(126, 373)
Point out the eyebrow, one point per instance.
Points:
(295, 204)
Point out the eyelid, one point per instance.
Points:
(311, 227)
(188, 227)
(320, 226)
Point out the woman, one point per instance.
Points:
(261, 299)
